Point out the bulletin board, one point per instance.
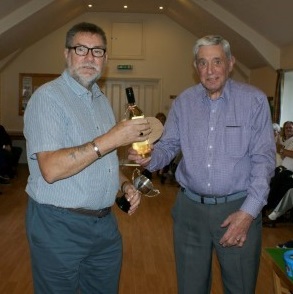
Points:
(28, 83)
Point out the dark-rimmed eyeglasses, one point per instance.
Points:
(82, 50)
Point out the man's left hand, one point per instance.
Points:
(238, 224)
(134, 197)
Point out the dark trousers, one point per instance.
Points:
(197, 232)
(73, 253)
(9, 161)
(279, 185)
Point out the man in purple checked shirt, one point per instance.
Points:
(224, 131)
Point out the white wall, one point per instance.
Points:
(287, 100)
(168, 57)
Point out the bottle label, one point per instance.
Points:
(142, 148)
(135, 117)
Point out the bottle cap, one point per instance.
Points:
(130, 95)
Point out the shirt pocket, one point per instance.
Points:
(236, 140)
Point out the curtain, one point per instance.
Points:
(277, 100)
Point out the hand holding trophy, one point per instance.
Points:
(142, 184)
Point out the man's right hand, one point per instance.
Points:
(128, 131)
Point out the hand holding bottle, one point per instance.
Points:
(128, 131)
(133, 155)
(133, 112)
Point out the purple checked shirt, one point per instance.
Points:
(227, 144)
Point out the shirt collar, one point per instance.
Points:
(225, 94)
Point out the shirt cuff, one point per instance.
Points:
(251, 207)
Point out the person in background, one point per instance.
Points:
(72, 137)
(9, 157)
(277, 130)
(286, 245)
(277, 134)
(285, 204)
(224, 131)
(161, 117)
(283, 178)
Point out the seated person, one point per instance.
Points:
(282, 180)
(4, 179)
(9, 157)
(288, 244)
(277, 131)
(169, 170)
(277, 134)
(284, 205)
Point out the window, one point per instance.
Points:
(286, 112)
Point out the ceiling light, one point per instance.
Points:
(161, 7)
(90, 5)
(125, 6)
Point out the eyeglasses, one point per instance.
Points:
(82, 50)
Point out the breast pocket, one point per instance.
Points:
(236, 140)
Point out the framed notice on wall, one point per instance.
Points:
(28, 83)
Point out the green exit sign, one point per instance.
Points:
(124, 66)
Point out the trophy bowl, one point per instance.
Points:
(142, 184)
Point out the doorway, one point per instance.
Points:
(147, 94)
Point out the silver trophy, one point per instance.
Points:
(142, 184)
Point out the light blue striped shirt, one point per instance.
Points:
(227, 144)
(62, 114)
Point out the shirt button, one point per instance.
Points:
(211, 147)
(209, 184)
(209, 165)
(212, 128)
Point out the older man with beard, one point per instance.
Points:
(74, 176)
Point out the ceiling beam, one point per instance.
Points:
(270, 52)
(21, 14)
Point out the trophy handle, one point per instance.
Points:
(152, 193)
(136, 171)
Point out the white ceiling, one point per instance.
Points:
(257, 29)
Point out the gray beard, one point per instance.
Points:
(86, 82)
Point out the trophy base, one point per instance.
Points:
(122, 203)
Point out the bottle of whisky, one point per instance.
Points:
(133, 112)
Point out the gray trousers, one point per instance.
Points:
(73, 253)
(197, 232)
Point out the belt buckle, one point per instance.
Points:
(103, 212)
(214, 200)
(208, 200)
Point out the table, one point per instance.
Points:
(282, 283)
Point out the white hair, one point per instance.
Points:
(276, 127)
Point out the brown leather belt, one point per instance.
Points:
(96, 213)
